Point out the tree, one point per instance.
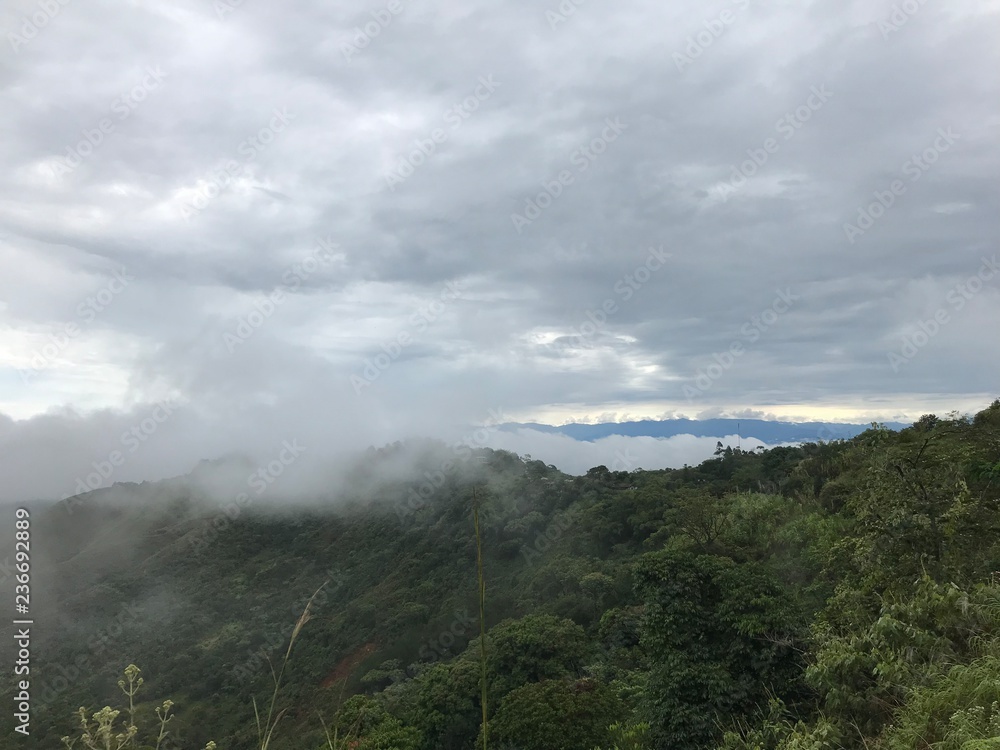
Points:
(556, 715)
(869, 664)
(699, 515)
(597, 586)
(721, 637)
(445, 708)
(364, 724)
(917, 511)
(532, 649)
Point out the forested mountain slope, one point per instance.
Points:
(835, 594)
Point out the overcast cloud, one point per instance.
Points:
(356, 222)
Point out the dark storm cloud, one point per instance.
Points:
(532, 153)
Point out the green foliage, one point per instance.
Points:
(369, 726)
(828, 595)
(919, 508)
(444, 706)
(959, 709)
(866, 671)
(98, 731)
(779, 728)
(720, 636)
(532, 649)
(628, 736)
(556, 715)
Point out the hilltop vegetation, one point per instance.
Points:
(838, 594)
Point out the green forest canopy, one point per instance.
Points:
(839, 594)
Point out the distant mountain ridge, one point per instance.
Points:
(768, 431)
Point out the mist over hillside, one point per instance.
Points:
(590, 581)
(485, 375)
(167, 438)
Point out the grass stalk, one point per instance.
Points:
(482, 611)
(265, 733)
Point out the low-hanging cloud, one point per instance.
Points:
(194, 207)
(616, 452)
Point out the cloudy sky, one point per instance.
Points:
(359, 221)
